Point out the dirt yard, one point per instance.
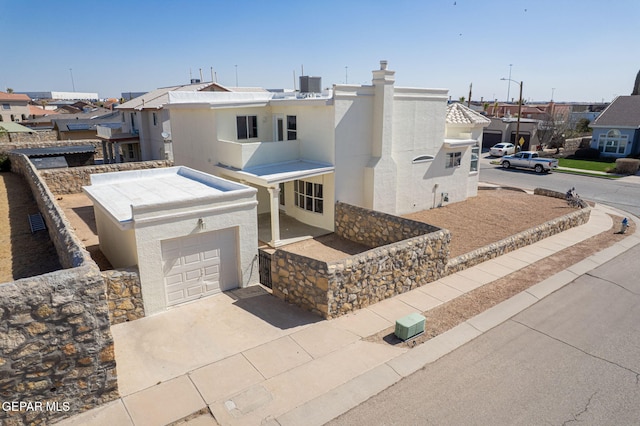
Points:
(22, 254)
(474, 223)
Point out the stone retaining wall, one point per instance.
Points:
(331, 289)
(124, 295)
(522, 239)
(374, 229)
(35, 136)
(409, 254)
(55, 340)
(71, 180)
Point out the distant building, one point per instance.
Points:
(71, 96)
(14, 107)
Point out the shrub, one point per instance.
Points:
(5, 163)
(587, 154)
(627, 166)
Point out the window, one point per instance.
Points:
(6, 106)
(292, 132)
(453, 159)
(123, 117)
(247, 126)
(308, 196)
(155, 119)
(613, 142)
(475, 154)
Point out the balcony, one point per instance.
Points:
(115, 132)
(242, 155)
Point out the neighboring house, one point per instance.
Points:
(190, 234)
(392, 149)
(505, 129)
(145, 122)
(83, 128)
(616, 131)
(14, 107)
(87, 96)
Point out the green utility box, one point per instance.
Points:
(409, 326)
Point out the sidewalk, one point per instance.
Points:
(252, 359)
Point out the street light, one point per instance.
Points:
(519, 109)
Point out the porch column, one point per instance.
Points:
(117, 149)
(274, 202)
(105, 159)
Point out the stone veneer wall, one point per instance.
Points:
(71, 180)
(124, 295)
(522, 239)
(408, 261)
(55, 340)
(405, 255)
(35, 136)
(374, 229)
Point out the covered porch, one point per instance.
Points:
(276, 228)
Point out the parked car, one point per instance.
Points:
(502, 149)
(529, 160)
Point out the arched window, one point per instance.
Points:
(614, 142)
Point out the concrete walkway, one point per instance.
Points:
(251, 359)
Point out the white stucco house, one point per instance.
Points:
(190, 234)
(393, 149)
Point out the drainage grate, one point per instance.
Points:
(36, 222)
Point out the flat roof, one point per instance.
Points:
(119, 192)
(56, 150)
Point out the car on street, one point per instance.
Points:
(501, 149)
(529, 160)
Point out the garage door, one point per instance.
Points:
(490, 138)
(199, 265)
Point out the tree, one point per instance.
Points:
(582, 126)
(553, 130)
(462, 99)
(9, 90)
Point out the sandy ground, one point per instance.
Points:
(474, 223)
(22, 254)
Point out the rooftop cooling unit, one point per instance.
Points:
(310, 84)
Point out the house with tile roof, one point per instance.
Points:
(392, 149)
(616, 131)
(14, 107)
(145, 131)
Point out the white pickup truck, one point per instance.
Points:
(529, 160)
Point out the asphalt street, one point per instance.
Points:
(615, 193)
(573, 357)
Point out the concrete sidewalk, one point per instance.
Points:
(251, 359)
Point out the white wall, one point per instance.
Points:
(153, 226)
(117, 245)
(194, 138)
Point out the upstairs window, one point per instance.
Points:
(6, 106)
(453, 159)
(475, 155)
(155, 119)
(247, 126)
(292, 128)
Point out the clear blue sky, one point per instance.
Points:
(586, 49)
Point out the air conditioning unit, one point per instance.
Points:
(410, 326)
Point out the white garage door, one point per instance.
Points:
(199, 265)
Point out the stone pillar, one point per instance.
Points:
(274, 203)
